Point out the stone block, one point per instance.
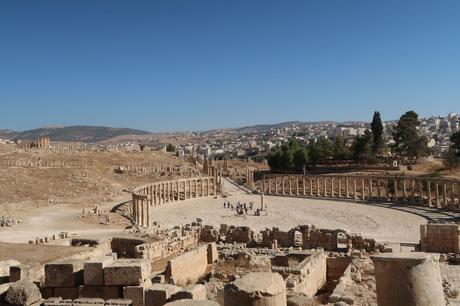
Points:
(192, 303)
(34, 272)
(160, 294)
(127, 272)
(88, 302)
(102, 292)
(188, 268)
(94, 270)
(64, 274)
(66, 292)
(57, 301)
(23, 293)
(136, 293)
(197, 292)
(47, 292)
(118, 302)
(213, 254)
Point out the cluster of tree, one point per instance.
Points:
(170, 148)
(452, 157)
(364, 148)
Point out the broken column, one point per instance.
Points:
(408, 279)
(260, 288)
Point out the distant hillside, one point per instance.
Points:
(77, 133)
(263, 127)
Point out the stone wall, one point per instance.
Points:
(305, 236)
(441, 238)
(189, 267)
(336, 267)
(308, 276)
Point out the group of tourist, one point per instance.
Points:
(242, 208)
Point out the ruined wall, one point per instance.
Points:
(442, 238)
(168, 246)
(125, 247)
(336, 267)
(189, 267)
(307, 277)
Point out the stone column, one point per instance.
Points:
(263, 184)
(379, 190)
(311, 187)
(177, 190)
(290, 184)
(413, 190)
(395, 189)
(371, 191)
(202, 187)
(196, 188)
(404, 190)
(269, 186)
(444, 193)
(355, 195)
(420, 188)
(428, 189)
(408, 279)
(142, 212)
(276, 185)
(148, 213)
(347, 187)
(437, 195)
(332, 187)
(282, 185)
(363, 189)
(304, 187)
(325, 186)
(340, 187)
(317, 187)
(135, 220)
(296, 185)
(452, 196)
(207, 187)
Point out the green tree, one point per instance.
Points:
(408, 142)
(452, 157)
(170, 148)
(362, 147)
(321, 150)
(300, 157)
(377, 132)
(341, 150)
(289, 156)
(455, 143)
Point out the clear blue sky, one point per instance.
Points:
(192, 65)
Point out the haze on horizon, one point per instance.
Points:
(198, 65)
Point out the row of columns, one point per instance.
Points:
(146, 197)
(428, 192)
(249, 178)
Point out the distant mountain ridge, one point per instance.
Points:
(75, 133)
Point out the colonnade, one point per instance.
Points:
(431, 192)
(146, 197)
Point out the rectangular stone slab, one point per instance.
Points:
(64, 274)
(94, 270)
(127, 272)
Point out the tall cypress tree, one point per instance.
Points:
(377, 132)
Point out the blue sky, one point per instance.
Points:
(193, 65)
